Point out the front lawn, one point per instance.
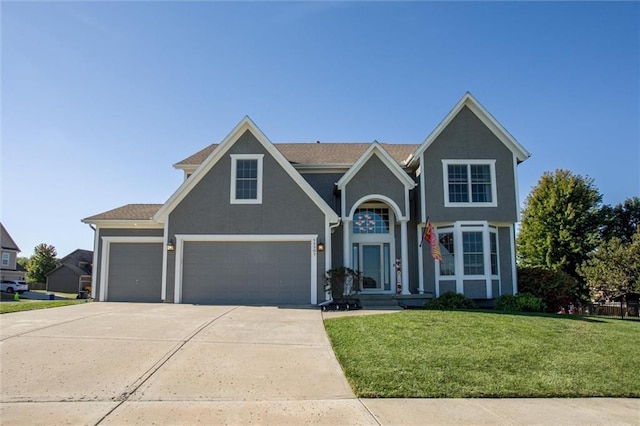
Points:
(28, 305)
(435, 354)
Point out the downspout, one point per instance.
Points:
(94, 264)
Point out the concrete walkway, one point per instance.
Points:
(110, 363)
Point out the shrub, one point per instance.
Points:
(522, 302)
(450, 301)
(555, 288)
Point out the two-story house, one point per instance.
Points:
(259, 223)
(9, 250)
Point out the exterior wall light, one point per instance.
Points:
(320, 246)
(171, 246)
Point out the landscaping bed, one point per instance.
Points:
(463, 354)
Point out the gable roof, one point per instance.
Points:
(315, 153)
(376, 149)
(6, 241)
(216, 154)
(129, 212)
(472, 103)
(72, 262)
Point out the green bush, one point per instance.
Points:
(450, 301)
(522, 302)
(555, 288)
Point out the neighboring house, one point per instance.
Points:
(260, 223)
(72, 274)
(8, 255)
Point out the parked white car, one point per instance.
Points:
(9, 286)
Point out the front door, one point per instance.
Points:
(372, 267)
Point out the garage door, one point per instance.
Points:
(135, 272)
(258, 272)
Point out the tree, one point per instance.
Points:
(22, 261)
(560, 224)
(621, 221)
(42, 262)
(613, 268)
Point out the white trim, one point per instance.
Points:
(423, 192)
(492, 124)
(182, 238)
(376, 149)
(94, 276)
(234, 165)
(244, 125)
(514, 269)
(104, 264)
(420, 260)
(381, 198)
(346, 242)
(468, 163)
(125, 224)
(165, 261)
(404, 257)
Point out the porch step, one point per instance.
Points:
(377, 300)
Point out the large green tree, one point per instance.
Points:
(621, 221)
(42, 262)
(613, 268)
(560, 223)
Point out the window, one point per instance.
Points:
(473, 255)
(5, 259)
(469, 183)
(478, 245)
(371, 221)
(494, 253)
(447, 249)
(246, 179)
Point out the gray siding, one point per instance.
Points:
(63, 280)
(506, 265)
(447, 286)
(475, 289)
(285, 208)
(117, 232)
(467, 137)
(325, 186)
(374, 178)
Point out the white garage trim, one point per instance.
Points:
(182, 238)
(104, 264)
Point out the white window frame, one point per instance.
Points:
(234, 164)
(468, 163)
(6, 258)
(458, 228)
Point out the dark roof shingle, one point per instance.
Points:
(128, 212)
(317, 153)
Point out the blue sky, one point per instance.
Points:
(99, 99)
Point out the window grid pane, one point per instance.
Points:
(371, 221)
(247, 179)
(458, 183)
(448, 265)
(480, 183)
(473, 253)
(494, 253)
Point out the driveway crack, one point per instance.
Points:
(124, 397)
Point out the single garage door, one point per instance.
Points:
(264, 272)
(135, 272)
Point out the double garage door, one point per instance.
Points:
(259, 272)
(214, 272)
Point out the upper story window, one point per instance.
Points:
(246, 178)
(469, 183)
(371, 220)
(5, 259)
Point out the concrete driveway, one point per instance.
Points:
(112, 363)
(122, 363)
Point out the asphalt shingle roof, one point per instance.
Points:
(128, 212)
(317, 153)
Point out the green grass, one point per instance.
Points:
(28, 305)
(435, 354)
